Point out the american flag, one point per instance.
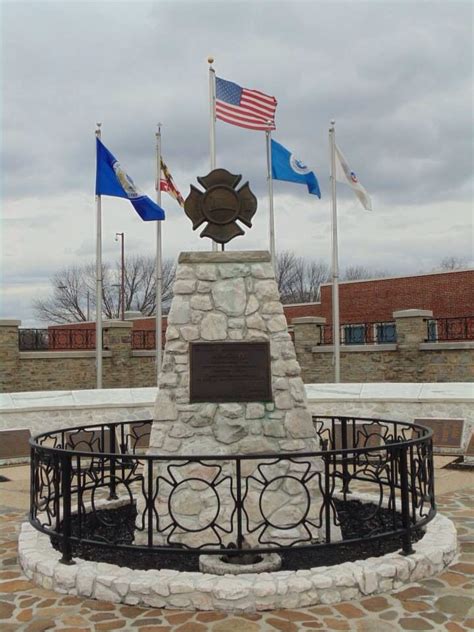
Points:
(246, 108)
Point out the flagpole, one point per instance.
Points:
(335, 262)
(212, 122)
(98, 276)
(158, 262)
(271, 220)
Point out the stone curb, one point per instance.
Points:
(253, 592)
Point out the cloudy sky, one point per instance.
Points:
(396, 76)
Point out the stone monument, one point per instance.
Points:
(230, 384)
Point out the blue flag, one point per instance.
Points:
(112, 180)
(286, 166)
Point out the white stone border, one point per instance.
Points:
(245, 593)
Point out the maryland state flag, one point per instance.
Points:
(167, 184)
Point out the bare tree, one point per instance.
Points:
(354, 273)
(453, 263)
(73, 291)
(298, 279)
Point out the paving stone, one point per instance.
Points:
(9, 575)
(437, 617)
(191, 626)
(25, 615)
(177, 618)
(454, 604)
(389, 615)
(39, 625)
(102, 616)
(336, 624)
(131, 611)
(46, 603)
(411, 623)
(70, 600)
(452, 626)
(374, 625)
(415, 606)
(110, 625)
(412, 593)
(15, 586)
(232, 624)
(153, 612)
(463, 567)
(208, 617)
(375, 604)
(94, 604)
(278, 624)
(321, 610)
(6, 609)
(349, 610)
(74, 620)
(293, 615)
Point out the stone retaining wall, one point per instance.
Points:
(246, 593)
(410, 359)
(49, 410)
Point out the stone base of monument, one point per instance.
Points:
(231, 385)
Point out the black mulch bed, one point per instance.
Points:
(358, 520)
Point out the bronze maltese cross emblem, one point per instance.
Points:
(221, 205)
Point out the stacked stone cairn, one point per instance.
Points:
(232, 296)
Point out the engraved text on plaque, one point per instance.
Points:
(230, 372)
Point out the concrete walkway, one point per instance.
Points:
(442, 603)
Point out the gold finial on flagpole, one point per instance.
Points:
(210, 60)
(97, 131)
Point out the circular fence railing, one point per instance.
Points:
(79, 475)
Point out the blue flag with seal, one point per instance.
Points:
(112, 180)
(286, 166)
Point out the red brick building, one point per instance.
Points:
(446, 294)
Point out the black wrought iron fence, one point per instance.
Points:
(78, 472)
(450, 329)
(33, 339)
(383, 332)
(60, 339)
(144, 340)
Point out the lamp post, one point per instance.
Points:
(88, 314)
(122, 239)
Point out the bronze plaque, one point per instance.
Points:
(447, 433)
(14, 443)
(230, 372)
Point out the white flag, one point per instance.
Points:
(345, 174)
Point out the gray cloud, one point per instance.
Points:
(397, 77)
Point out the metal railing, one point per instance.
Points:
(76, 473)
(450, 329)
(383, 332)
(144, 340)
(61, 339)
